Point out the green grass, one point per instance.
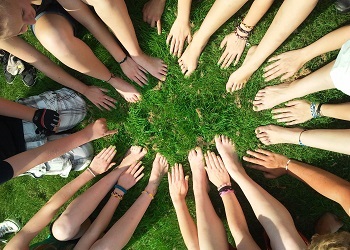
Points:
(183, 113)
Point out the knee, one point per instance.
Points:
(63, 230)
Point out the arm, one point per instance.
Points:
(181, 29)
(287, 64)
(43, 217)
(152, 13)
(28, 53)
(31, 158)
(218, 175)
(326, 183)
(178, 187)
(16, 110)
(234, 44)
(338, 111)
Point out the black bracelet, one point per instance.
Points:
(225, 188)
(242, 30)
(123, 61)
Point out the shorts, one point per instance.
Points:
(340, 73)
(52, 7)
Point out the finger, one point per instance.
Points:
(282, 115)
(139, 177)
(110, 132)
(274, 75)
(215, 160)
(293, 103)
(286, 119)
(257, 155)
(169, 38)
(98, 106)
(293, 122)
(172, 46)
(110, 152)
(227, 58)
(99, 155)
(105, 106)
(222, 58)
(189, 38)
(176, 172)
(222, 44)
(104, 90)
(255, 166)
(279, 110)
(169, 179)
(133, 168)
(237, 59)
(221, 163)
(275, 58)
(263, 151)
(176, 47)
(139, 171)
(181, 45)
(159, 27)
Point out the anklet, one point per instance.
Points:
(124, 60)
(149, 194)
(318, 110)
(315, 112)
(112, 76)
(116, 195)
(286, 167)
(120, 188)
(300, 143)
(90, 170)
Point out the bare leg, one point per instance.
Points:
(273, 95)
(70, 223)
(317, 138)
(328, 224)
(211, 232)
(291, 14)
(220, 12)
(119, 235)
(56, 35)
(115, 14)
(274, 217)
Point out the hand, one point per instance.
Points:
(177, 36)
(134, 71)
(131, 176)
(102, 162)
(234, 49)
(295, 112)
(98, 129)
(98, 97)
(216, 170)
(178, 183)
(152, 12)
(46, 120)
(273, 165)
(285, 65)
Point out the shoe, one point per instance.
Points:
(29, 75)
(4, 55)
(9, 226)
(343, 6)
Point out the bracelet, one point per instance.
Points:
(149, 194)
(225, 192)
(314, 111)
(318, 110)
(116, 195)
(90, 170)
(286, 167)
(300, 143)
(243, 30)
(248, 26)
(120, 188)
(123, 61)
(224, 189)
(245, 38)
(223, 185)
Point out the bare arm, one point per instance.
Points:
(257, 11)
(16, 110)
(178, 187)
(31, 158)
(326, 183)
(338, 111)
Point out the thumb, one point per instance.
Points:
(159, 27)
(110, 165)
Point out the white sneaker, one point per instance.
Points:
(9, 226)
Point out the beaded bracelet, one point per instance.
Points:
(287, 164)
(116, 195)
(149, 194)
(245, 38)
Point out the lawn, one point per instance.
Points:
(179, 114)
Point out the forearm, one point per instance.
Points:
(257, 11)
(237, 222)
(43, 217)
(325, 183)
(329, 42)
(338, 111)
(16, 110)
(183, 10)
(31, 158)
(187, 227)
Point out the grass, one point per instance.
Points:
(180, 113)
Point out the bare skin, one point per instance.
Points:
(328, 223)
(135, 153)
(126, 90)
(272, 134)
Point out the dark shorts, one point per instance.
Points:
(52, 7)
(6, 171)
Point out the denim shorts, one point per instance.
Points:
(52, 7)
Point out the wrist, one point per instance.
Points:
(182, 18)
(178, 201)
(306, 54)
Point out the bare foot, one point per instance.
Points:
(159, 169)
(135, 153)
(199, 175)
(327, 224)
(239, 78)
(189, 60)
(271, 96)
(272, 134)
(227, 151)
(155, 66)
(126, 90)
